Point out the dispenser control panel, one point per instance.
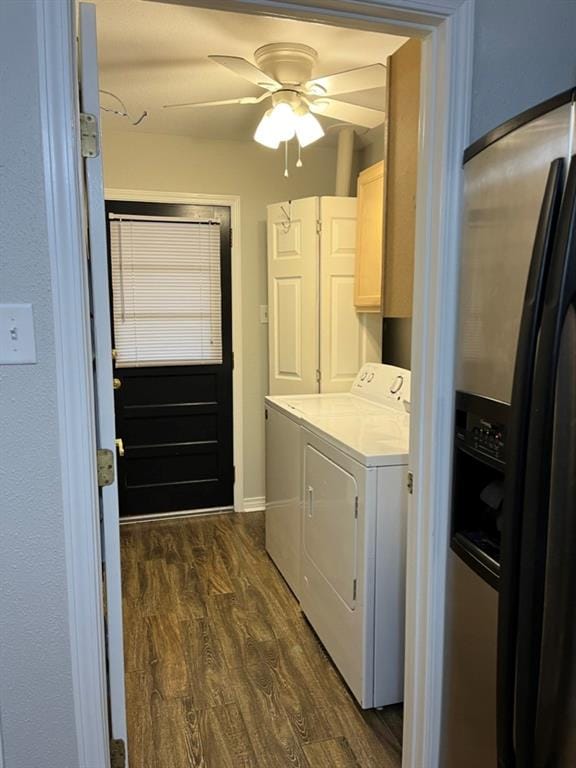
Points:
(484, 434)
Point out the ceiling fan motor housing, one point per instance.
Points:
(289, 63)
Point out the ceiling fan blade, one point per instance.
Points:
(360, 79)
(348, 113)
(243, 68)
(242, 100)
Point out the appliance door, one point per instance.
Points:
(469, 737)
(517, 441)
(504, 187)
(331, 522)
(545, 712)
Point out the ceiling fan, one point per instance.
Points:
(284, 72)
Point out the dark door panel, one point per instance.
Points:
(175, 421)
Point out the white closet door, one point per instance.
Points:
(293, 296)
(347, 339)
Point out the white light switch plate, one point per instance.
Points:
(263, 313)
(17, 343)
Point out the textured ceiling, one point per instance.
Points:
(154, 54)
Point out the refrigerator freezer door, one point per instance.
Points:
(504, 186)
(469, 738)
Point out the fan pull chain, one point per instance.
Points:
(286, 174)
(299, 161)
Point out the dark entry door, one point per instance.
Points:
(172, 333)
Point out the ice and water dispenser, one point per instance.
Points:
(478, 483)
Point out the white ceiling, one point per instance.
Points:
(154, 54)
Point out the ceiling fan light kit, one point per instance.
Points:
(284, 71)
(289, 117)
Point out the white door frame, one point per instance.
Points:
(446, 27)
(232, 202)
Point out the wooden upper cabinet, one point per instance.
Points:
(401, 177)
(369, 238)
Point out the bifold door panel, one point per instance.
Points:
(293, 296)
(348, 339)
(330, 522)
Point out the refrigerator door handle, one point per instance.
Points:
(560, 295)
(517, 439)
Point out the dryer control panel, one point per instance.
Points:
(384, 384)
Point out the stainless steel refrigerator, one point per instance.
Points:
(510, 663)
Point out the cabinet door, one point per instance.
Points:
(368, 282)
(347, 339)
(401, 172)
(293, 305)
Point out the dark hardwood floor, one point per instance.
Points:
(222, 670)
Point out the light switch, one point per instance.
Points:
(264, 313)
(17, 343)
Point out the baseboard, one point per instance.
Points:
(172, 515)
(255, 504)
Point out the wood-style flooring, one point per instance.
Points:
(222, 669)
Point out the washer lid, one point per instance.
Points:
(373, 440)
(326, 404)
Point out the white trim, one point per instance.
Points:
(255, 504)
(62, 170)
(444, 132)
(404, 17)
(233, 202)
(446, 26)
(158, 518)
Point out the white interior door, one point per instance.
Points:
(347, 338)
(102, 342)
(293, 305)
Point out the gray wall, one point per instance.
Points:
(37, 716)
(524, 52)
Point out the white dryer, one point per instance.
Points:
(354, 538)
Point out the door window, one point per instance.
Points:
(166, 292)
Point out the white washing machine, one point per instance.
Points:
(349, 575)
(284, 490)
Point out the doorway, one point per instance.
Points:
(171, 301)
(447, 57)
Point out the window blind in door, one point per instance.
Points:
(166, 292)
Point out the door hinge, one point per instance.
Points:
(318, 374)
(410, 483)
(354, 589)
(318, 226)
(356, 507)
(231, 235)
(233, 475)
(117, 753)
(89, 139)
(105, 465)
(232, 360)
